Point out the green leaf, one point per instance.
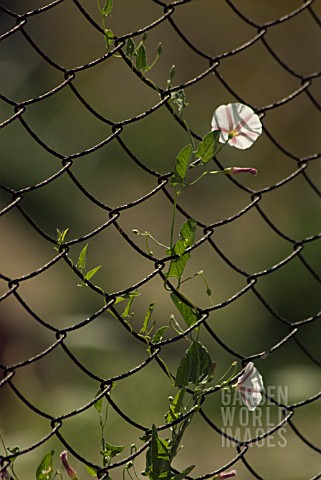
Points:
(176, 406)
(171, 77)
(207, 147)
(45, 469)
(195, 366)
(107, 8)
(159, 52)
(127, 313)
(121, 298)
(61, 237)
(141, 60)
(110, 451)
(184, 473)
(14, 451)
(187, 234)
(109, 38)
(181, 167)
(188, 312)
(82, 259)
(98, 405)
(177, 266)
(92, 471)
(130, 47)
(158, 336)
(157, 458)
(92, 272)
(144, 329)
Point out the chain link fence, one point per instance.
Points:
(92, 118)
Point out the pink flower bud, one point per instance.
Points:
(70, 471)
(4, 474)
(236, 170)
(230, 474)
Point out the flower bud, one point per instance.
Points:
(4, 474)
(236, 170)
(230, 474)
(70, 471)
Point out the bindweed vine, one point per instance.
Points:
(233, 125)
(129, 341)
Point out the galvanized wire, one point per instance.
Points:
(290, 331)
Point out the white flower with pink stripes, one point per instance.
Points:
(238, 124)
(250, 385)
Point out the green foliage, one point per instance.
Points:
(187, 237)
(141, 60)
(105, 12)
(187, 234)
(208, 146)
(127, 313)
(158, 335)
(99, 404)
(45, 470)
(92, 272)
(138, 55)
(172, 73)
(81, 266)
(177, 266)
(82, 259)
(148, 236)
(186, 309)
(148, 327)
(176, 406)
(109, 38)
(145, 330)
(61, 235)
(107, 8)
(13, 452)
(110, 451)
(91, 471)
(126, 296)
(182, 164)
(184, 473)
(159, 458)
(130, 47)
(196, 366)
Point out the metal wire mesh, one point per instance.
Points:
(88, 143)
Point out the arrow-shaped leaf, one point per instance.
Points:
(182, 166)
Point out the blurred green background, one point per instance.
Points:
(53, 383)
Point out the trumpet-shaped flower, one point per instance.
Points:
(238, 124)
(250, 385)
